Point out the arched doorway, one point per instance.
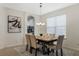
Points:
(31, 24)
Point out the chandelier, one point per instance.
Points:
(40, 23)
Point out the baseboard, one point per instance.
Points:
(73, 49)
(16, 45)
(1, 47)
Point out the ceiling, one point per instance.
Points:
(35, 7)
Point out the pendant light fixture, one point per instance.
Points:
(40, 23)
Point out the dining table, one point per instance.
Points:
(45, 41)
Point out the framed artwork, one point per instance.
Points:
(14, 24)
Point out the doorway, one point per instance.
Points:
(31, 24)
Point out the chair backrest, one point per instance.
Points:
(33, 41)
(30, 34)
(28, 40)
(60, 41)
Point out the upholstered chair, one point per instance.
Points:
(34, 44)
(57, 46)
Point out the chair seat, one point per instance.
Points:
(55, 43)
(54, 46)
(51, 46)
(38, 45)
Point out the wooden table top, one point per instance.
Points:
(47, 40)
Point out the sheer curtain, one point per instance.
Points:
(57, 25)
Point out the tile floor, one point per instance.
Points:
(66, 52)
(20, 51)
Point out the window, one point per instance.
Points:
(57, 25)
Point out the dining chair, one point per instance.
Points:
(34, 44)
(28, 42)
(57, 46)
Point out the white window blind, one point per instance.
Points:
(57, 25)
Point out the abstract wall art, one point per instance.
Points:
(14, 24)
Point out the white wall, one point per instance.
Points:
(72, 27)
(10, 39)
(3, 17)
(13, 39)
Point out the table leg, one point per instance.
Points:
(44, 49)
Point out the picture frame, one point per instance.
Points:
(14, 24)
